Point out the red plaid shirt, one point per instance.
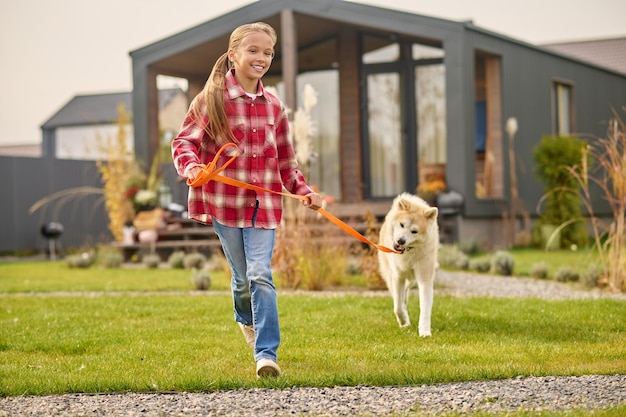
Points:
(266, 159)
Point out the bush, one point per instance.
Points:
(151, 260)
(479, 265)
(81, 260)
(194, 260)
(503, 263)
(200, 279)
(112, 259)
(566, 274)
(451, 257)
(176, 259)
(553, 156)
(469, 247)
(539, 270)
(591, 278)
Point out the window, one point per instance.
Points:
(562, 108)
(489, 166)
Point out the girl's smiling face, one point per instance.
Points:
(252, 59)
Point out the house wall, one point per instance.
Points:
(88, 142)
(527, 75)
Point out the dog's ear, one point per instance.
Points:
(431, 213)
(404, 204)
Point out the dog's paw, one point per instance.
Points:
(425, 334)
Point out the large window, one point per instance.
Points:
(430, 99)
(386, 162)
(405, 119)
(562, 108)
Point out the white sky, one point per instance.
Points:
(52, 50)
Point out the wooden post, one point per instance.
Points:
(289, 48)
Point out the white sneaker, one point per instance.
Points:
(267, 368)
(248, 333)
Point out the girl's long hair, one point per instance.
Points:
(208, 106)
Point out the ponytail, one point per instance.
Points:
(208, 107)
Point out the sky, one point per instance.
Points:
(53, 50)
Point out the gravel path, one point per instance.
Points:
(542, 393)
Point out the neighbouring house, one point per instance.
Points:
(81, 128)
(609, 53)
(403, 98)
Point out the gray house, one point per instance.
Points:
(405, 98)
(79, 128)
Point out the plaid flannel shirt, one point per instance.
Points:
(266, 159)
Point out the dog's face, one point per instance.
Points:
(411, 224)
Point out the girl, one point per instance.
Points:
(234, 107)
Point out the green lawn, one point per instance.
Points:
(152, 334)
(578, 260)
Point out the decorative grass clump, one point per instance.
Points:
(151, 260)
(539, 270)
(503, 263)
(176, 259)
(194, 260)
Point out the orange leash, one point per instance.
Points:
(210, 172)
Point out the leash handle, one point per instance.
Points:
(208, 173)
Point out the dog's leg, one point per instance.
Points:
(426, 303)
(400, 301)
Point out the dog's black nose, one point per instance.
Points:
(401, 241)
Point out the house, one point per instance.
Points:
(81, 128)
(405, 97)
(609, 53)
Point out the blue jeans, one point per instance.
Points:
(249, 252)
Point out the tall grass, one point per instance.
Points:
(609, 175)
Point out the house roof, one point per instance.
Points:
(191, 53)
(95, 109)
(194, 51)
(608, 53)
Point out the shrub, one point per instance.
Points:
(200, 279)
(450, 256)
(553, 157)
(479, 265)
(539, 270)
(591, 277)
(151, 260)
(112, 259)
(503, 263)
(469, 247)
(176, 259)
(81, 260)
(566, 274)
(194, 260)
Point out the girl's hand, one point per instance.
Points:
(193, 173)
(314, 202)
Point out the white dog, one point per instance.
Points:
(410, 227)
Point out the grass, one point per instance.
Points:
(152, 334)
(45, 277)
(579, 260)
(189, 342)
